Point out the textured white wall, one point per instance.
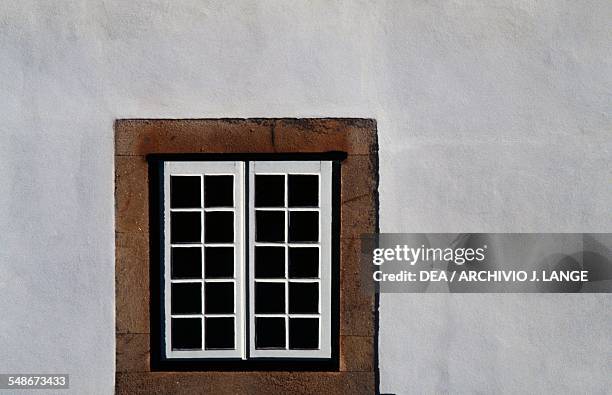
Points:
(493, 116)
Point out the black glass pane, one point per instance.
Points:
(269, 191)
(303, 190)
(304, 226)
(269, 262)
(219, 262)
(186, 333)
(219, 298)
(269, 332)
(304, 262)
(219, 227)
(186, 298)
(304, 333)
(219, 333)
(270, 226)
(303, 298)
(269, 298)
(218, 191)
(185, 192)
(186, 262)
(185, 227)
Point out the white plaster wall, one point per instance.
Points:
(493, 116)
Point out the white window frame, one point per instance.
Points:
(324, 170)
(237, 169)
(202, 168)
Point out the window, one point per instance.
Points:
(143, 253)
(247, 260)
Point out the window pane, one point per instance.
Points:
(186, 298)
(304, 262)
(303, 190)
(219, 227)
(269, 332)
(270, 226)
(218, 191)
(186, 262)
(303, 226)
(185, 192)
(219, 333)
(186, 333)
(185, 227)
(219, 262)
(269, 191)
(269, 298)
(303, 333)
(270, 262)
(303, 298)
(219, 298)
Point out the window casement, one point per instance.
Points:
(246, 259)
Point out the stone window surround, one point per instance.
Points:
(135, 139)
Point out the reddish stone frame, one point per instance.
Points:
(135, 139)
